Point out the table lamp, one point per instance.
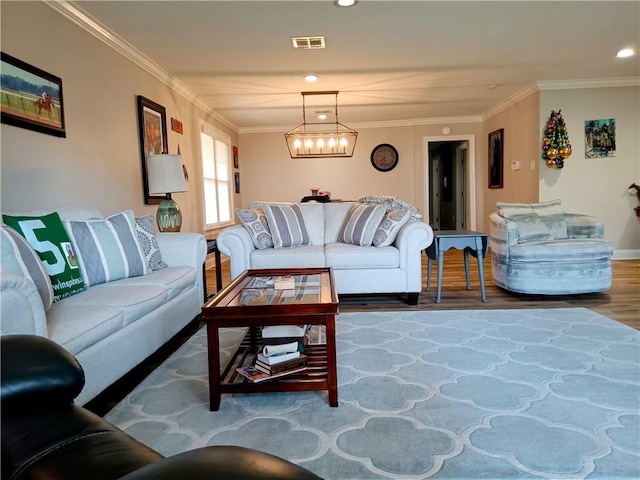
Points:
(166, 176)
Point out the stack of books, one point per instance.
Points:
(274, 362)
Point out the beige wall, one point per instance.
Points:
(598, 186)
(98, 163)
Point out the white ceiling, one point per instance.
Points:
(391, 60)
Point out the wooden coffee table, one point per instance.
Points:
(247, 302)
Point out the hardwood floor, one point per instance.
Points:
(621, 302)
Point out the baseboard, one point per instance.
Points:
(628, 254)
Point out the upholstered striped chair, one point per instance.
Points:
(539, 249)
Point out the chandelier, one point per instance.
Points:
(322, 139)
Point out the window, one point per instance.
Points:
(216, 167)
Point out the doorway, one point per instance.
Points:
(450, 187)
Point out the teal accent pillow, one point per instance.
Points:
(49, 239)
(108, 249)
(552, 215)
(361, 224)
(17, 256)
(530, 227)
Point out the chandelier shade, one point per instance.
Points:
(321, 139)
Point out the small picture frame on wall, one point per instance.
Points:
(236, 178)
(496, 159)
(31, 98)
(235, 157)
(152, 126)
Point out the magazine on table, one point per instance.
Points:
(257, 376)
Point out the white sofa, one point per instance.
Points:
(112, 327)
(357, 270)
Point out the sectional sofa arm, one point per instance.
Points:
(224, 462)
(412, 239)
(37, 373)
(584, 226)
(236, 243)
(21, 308)
(183, 249)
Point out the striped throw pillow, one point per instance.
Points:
(108, 249)
(286, 225)
(361, 224)
(530, 227)
(17, 256)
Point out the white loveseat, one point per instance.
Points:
(111, 327)
(396, 268)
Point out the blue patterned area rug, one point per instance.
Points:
(448, 394)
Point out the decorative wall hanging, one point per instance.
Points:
(176, 126)
(555, 141)
(235, 156)
(31, 98)
(152, 125)
(600, 138)
(496, 158)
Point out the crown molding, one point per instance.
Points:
(84, 21)
(595, 83)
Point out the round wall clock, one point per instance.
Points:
(384, 157)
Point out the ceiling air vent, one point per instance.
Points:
(308, 42)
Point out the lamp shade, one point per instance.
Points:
(165, 174)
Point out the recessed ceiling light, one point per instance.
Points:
(625, 52)
(492, 87)
(345, 3)
(322, 116)
(311, 78)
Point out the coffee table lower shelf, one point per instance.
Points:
(314, 378)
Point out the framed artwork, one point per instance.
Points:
(236, 178)
(235, 157)
(600, 138)
(30, 98)
(496, 158)
(152, 125)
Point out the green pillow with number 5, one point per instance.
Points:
(49, 239)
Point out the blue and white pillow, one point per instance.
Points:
(286, 225)
(361, 224)
(391, 224)
(145, 228)
(530, 227)
(255, 223)
(17, 256)
(108, 249)
(552, 215)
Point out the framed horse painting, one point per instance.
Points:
(30, 98)
(152, 126)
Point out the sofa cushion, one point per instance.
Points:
(361, 224)
(286, 225)
(347, 256)
(47, 236)
(145, 228)
(17, 256)
(134, 301)
(530, 227)
(302, 256)
(391, 224)
(255, 223)
(562, 251)
(79, 326)
(552, 215)
(108, 249)
(174, 280)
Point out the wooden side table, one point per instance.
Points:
(212, 247)
(474, 243)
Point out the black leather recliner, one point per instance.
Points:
(45, 436)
